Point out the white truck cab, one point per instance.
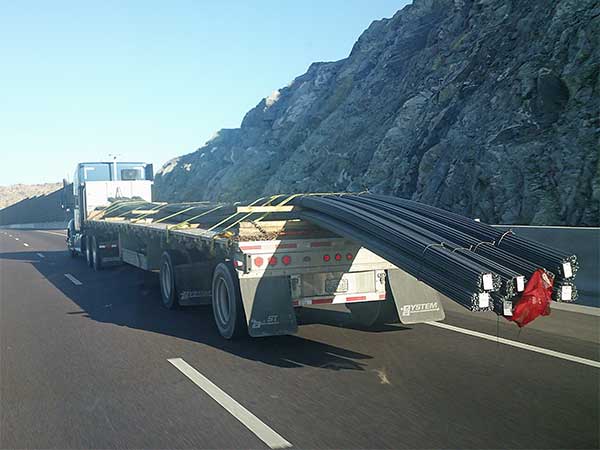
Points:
(96, 184)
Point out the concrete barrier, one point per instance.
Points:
(37, 226)
(39, 209)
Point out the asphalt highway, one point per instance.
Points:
(92, 360)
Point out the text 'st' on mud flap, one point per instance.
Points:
(268, 305)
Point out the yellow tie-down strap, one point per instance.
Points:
(186, 222)
(149, 212)
(173, 215)
(114, 207)
(237, 212)
(247, 209)
(269, 200)
(303, 194)
(194, 205)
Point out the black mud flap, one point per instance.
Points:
(268, 305)
(415, 301)
(193, 286)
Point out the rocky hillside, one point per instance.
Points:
(487, 108)
(9, 195)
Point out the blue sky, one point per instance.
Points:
(151, 80)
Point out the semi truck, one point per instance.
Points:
(256, 286)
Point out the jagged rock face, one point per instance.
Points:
(486, 108)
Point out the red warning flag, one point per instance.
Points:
(535, 300)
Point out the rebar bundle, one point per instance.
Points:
(558, 262)
(404, 232)
(565, 291)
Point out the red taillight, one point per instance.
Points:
(258, 261)
(338, 257)
(272, 260)
(349, 256)
(286, 260)
(326, 258)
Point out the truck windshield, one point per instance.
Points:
(130, 171)
(95, 172)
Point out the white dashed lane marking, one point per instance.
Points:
(249, 420)
(73, 280)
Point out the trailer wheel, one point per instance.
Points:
(228, 308)
(374, 314)
(168, 287)
(88, 251)
(96, 258)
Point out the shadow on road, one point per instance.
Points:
(129, 297)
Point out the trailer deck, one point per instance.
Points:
(267, 256)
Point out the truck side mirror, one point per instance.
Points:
(149, 175)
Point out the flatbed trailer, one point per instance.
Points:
(255, 285)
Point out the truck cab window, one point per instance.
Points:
(130, 171)
(95, 172)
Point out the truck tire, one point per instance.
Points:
(168, 285)
(88, 251)
(374, 314)
(96, 258)
(228, 308)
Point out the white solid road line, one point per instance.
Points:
(74, 280)
(51, 232)
(249, 420)
(40, 255)
(531, 348)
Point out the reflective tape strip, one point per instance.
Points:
(286, 246)
(268, 247)
(250, 247)
(320, 244)
(368, 297)
(322, 301)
